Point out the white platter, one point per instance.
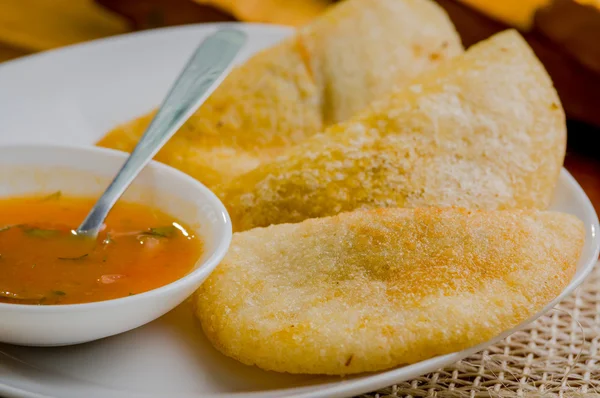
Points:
(73, 96)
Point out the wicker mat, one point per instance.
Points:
(556, 356)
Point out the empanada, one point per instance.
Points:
(329, 70)
(370, 290)
(485, 130)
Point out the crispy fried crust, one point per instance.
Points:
(369, 290)
(330, 69)
(485, 130)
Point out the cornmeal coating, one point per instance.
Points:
(485, 130)
(370, 290)
(327, 71)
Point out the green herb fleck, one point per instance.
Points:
(33, 266)
(75, 258)
(39, 232)
(53, 196)
(131, 294)
(18, 296)
(59, 292)
(108, 239)
(8, 295)
(163, 232)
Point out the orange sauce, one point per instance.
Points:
(42, 262)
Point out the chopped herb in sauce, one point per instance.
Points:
(8, 295)
(163, 232)
(108, 239)
(75, 258)
(19, 297)
(53, 196)
(43, 263)
(39, 232)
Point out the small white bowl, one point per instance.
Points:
(86, 171)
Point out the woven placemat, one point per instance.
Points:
(556, 356)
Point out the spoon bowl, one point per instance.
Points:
(85, 171)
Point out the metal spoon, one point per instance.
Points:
(203, 73)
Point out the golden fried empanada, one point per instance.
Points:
(330, 69)
(485, 130)
(370, 290)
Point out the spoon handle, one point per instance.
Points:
(203, 73)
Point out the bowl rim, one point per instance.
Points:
(202, 270)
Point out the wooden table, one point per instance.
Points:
(583, 158)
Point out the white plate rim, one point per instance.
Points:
(91, 44)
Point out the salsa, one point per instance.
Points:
(43, 262)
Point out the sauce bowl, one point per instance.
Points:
(86, 171)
